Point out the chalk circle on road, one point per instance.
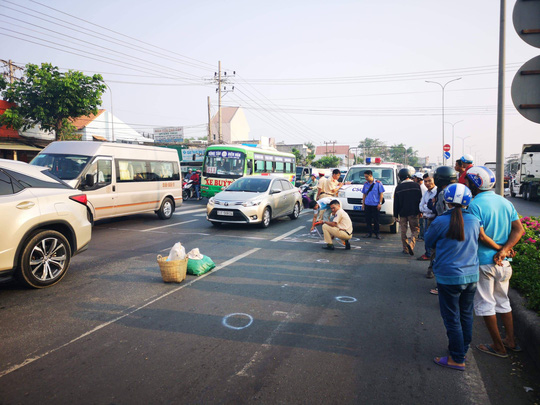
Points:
(345, 299)
(237, 317)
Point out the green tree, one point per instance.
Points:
(298, 156)
(48, 97)
(327, 162)
(311, 154)
(67, 132)
(373, 147)
(400, 153)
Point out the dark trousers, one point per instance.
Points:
(456, 305)
(372, 219)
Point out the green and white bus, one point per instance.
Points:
(223, 164)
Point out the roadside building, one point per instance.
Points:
(104, 126)
(13, 146)
(234, 126)
(288, 147)
(340, 151)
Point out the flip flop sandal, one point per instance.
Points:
(490, 350)
(434, 291)
(516, 348)
(443, 362)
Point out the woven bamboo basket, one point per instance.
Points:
(173, 271)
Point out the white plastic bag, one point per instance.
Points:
(194, 254)
(178, 252)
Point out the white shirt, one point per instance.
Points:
(428, 195)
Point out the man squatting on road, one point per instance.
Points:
(341, 227)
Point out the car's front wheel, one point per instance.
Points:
(266, 218)
(167, 209)
(44, 259)
(296, 212)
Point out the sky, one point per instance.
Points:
(306, 71)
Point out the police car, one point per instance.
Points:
(350, 195)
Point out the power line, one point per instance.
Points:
(208, 65)
(101, 48)
(121, 64)
(106, 37)
(292, 120)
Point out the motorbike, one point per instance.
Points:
(304, 191)
(188, 190)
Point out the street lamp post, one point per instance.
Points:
(112, 112)
(454, 124)
(442, 88)
(463, 143)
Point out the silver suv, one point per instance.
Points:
(44, 223)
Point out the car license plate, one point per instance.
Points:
(225, 213)
(357, 207)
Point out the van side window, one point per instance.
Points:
(102, 171)
(162, 170)
(142, 170)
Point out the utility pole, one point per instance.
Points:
(333, 147)
(209, 123)
(219, 103)
(219, 80)
(11, 69)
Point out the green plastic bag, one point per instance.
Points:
(199, 267)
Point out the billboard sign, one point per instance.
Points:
(193, 155)
(169, 135)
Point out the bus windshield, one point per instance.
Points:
(224, 163)
(383, 174)
(65, 167)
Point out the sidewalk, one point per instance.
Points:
(526, 326)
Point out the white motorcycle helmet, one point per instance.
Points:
(481, 177)
(467, 159)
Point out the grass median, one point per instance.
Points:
(526, 264)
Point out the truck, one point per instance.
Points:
(526, 182)
(350, 195)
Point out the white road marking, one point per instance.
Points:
(346, 299)
(225, 321)
(166, 226)
(287, 234)
(265, 346)
(105, 324)
(189, 211)
(200, 215)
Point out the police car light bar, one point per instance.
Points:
(376, 160)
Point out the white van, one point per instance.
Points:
(350, 195)
(119, 179)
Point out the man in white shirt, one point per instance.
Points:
(341, 227)
(427, 214)
(419, 178)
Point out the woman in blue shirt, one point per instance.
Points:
(455, 235)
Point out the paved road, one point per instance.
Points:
(113, 332)
(526, 208)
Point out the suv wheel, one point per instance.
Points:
(167, 209)
(45, 259)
